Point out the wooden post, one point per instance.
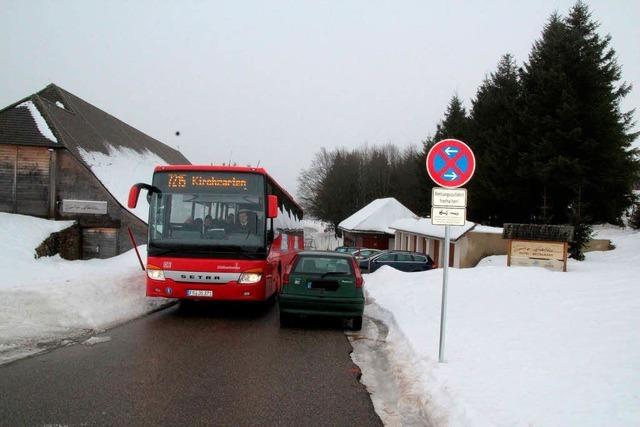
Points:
(14, 190)
(53, 164)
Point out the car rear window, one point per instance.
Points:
(419, 258)
(322, 265)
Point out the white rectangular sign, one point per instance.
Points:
(448, 216)
(449, 197)
(92, 207)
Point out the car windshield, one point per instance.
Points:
(322, 265)
(214, 211)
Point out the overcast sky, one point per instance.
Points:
(276, 81)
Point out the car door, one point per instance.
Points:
(421, 263)
(379, 261)
(404, 262)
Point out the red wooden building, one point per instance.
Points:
(370, 226)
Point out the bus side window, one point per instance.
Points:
(284, 242)
(295, 243)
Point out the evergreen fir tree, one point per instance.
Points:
(455, 123)
(577, 135)
(582, 230)
(497, 190)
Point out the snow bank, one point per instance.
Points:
(122, 168)
(524, 346)
(41, 123)
(44, 300)
(20, 235)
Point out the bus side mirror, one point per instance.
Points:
(133, 196)
(134, 193)
(272, 207)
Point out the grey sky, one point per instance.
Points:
(275, 81)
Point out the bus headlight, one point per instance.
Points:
(250, 277)
(155, 273)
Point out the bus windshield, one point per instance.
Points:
(207, 212)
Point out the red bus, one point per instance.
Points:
(218, 232)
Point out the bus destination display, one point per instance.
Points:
(184, 181)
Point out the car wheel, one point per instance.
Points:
(356, 323)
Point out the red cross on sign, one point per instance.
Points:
(451, 163)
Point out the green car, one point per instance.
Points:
(322, 284)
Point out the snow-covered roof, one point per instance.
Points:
(120, 169)
(424, 227)
(118, 154)
(487, 229)
(42, 125)
(377, 216)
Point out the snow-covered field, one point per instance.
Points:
(524, 346)
(45, 300)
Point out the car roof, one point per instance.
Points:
(398, 251)
(325, 254)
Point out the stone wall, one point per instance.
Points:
(67, 243)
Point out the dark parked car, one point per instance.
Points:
(361, 254)
(362, 257)
(401, 260)
(322, 283)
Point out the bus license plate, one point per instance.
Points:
(199, 293)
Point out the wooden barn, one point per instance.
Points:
(63, 158)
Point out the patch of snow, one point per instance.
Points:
(496, 260)
(122, 168)
(60, 104)
(286, 221)
(524, 345)
(377, 216)
(41, 123)
(96, 340)
(487, 229)
(47, 299)
(396, 393)
(424, 227)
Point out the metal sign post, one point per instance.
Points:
(443, 308)
(450, 164)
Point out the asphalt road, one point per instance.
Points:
(205, 365)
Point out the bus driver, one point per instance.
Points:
(244, 225)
